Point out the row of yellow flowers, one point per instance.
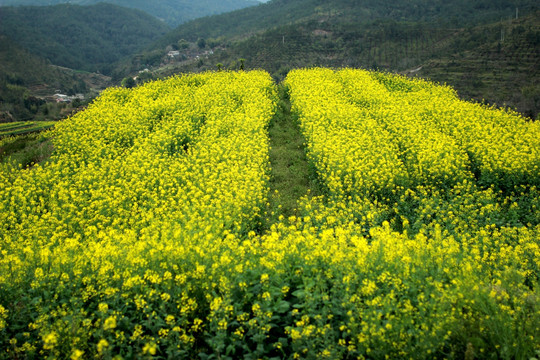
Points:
(353, 154)
(139, 239)
(430, 156)
(440, 261)
(97, 243)
(503, 147)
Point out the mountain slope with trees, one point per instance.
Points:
(87, 38)
(173, 12)
(245, 22)
(478, 47)
(26, 80)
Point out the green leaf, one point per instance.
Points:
(283, 306)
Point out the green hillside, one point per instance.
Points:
(173, 12)
(472, 59)
(276, 13)
(456, 42)
(26, 80)
(86, 38)
(20, 70)
(24, 127)
(498, 63)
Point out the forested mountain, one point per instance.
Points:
(81, 37)
(453, 13)
(19, 68)
(34, 39)
(173, 12)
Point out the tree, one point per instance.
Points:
(201, 43)
(128, 82)
(183, 44)
(144, 76)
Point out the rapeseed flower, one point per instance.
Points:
(141, 235)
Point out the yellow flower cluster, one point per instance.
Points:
(430, 156)
(191, 151)
(430, 256)
(369, 132)
(141, 184)
(141, 237)
(353, 154)
(503, 147)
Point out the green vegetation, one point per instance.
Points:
(27, 85)
(27, 149)
(249, 21)
(84, 38)
(24, 127)
(22, 71)
(88, 38)
(26, 143)
(292, 177)
(172, 12)
(497, 63)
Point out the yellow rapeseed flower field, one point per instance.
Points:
(142, 236)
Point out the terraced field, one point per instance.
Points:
(24, 127)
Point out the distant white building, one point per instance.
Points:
(61, 98)
(67, 99)
(173, 53)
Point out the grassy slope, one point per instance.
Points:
(26, 149)
(26, 142)
(24, 127)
